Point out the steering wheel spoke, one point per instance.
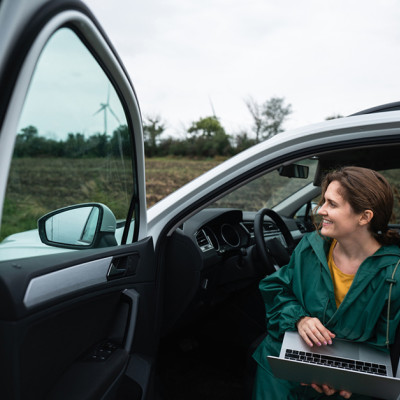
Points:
(272, 252)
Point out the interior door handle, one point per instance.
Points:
(123, 266)
(115, 272)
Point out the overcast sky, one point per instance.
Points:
(187, 57)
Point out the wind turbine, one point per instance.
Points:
(104, 107)
(212, 107)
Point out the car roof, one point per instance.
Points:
(395, 106)
(378, 158)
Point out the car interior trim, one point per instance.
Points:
(66, 281)
(132, 297)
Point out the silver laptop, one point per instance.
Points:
(343, 365)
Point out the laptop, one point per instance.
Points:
(344, 365)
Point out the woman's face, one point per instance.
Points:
(339, 221)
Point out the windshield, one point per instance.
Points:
(268, 190)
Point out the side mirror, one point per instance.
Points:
(82, 226)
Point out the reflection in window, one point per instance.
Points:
(73, 143)
(266, 191)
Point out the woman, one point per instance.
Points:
(335, 284)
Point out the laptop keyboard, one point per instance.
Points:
(337, 362)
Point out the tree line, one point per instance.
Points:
(30, 144)
(205, 137)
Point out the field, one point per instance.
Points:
(39, 185)
(165, 175)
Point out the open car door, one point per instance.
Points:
(78, 295)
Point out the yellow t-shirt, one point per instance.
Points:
(341, 281)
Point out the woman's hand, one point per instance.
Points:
(328, 391)
(313, 332)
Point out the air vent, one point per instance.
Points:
(201, 238)
(249, 226)
(301, 227)
(269, 227)
(203, 241)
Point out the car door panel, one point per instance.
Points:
(106, 360)
(75, 344)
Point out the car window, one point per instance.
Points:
(393, 177)
(272, 189)
(72, 145)
(268, 190)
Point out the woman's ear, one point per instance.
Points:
(366, 217)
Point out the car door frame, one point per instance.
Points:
(19, 58)
(24, 40)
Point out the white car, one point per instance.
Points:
(102, 298)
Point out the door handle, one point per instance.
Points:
(115, 272)
(123, 266)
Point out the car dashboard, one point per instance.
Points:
(212, 257)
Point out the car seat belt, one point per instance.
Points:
(395, 347)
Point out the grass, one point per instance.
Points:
(165, 175)
(37, 186)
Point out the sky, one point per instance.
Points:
(189, 59)
(70, 93)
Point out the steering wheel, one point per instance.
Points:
(272, 250)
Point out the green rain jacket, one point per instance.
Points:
(304, 288)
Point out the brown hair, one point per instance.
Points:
(366, 189)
